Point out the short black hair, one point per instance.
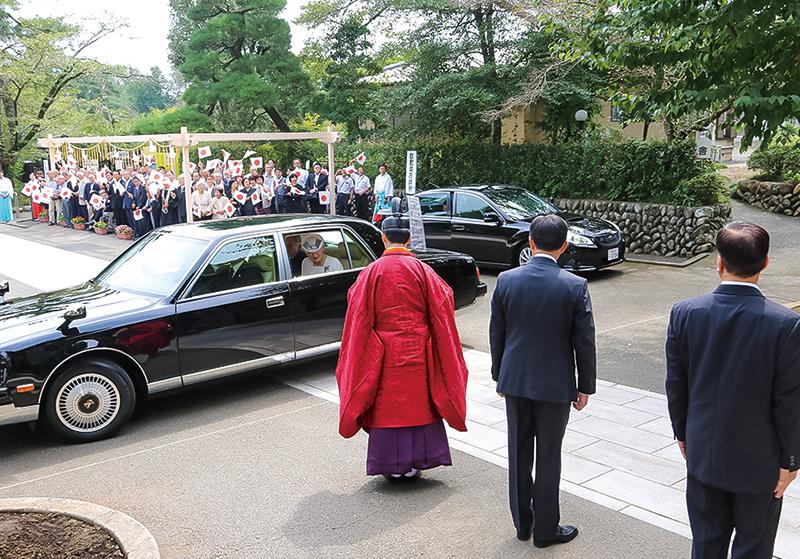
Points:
(398, 236)
(743, 247)
(548, 232)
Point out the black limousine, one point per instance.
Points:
(491, 222)
(184, 305)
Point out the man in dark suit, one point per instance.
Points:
(733, 388)
(316, 182)
(541, 329)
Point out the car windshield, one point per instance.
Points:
(157, 264)
(519, 204)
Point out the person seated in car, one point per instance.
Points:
(316, 261)
(296, 255)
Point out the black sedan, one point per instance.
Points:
(186, 304)
(491, 223)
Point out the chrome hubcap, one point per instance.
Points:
(525, 255)
(87, 403)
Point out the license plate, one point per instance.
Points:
(613, 254)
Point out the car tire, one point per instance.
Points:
(89, 401)
(522, 255)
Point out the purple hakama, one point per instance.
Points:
(398, 450)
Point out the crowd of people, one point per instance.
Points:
(146, 198)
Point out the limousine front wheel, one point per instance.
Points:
(89, 401)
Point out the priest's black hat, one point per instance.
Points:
(396, 221)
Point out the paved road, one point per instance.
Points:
(252, 469)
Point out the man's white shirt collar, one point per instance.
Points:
(747, 283)
(543, 255)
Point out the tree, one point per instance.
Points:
(169, 121)
(149, 92)
(688, 62)
(40, 63)
(237, 62)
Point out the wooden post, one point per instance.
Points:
(331, 178)
(52, 151)
(187, 175)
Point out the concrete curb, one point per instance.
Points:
(680, 264)
(794, 306)
(134, 539)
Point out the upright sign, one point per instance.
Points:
(415, 221)
(411, 173)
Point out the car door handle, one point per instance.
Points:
(458, 227)
(274, 302)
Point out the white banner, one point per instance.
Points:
(411, 172)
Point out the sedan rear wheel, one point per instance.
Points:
(89, 401)
(524, 255)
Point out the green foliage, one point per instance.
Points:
(689, 61)
(169, 121)
(706, 189)
(238, 64)
(611, 168)
(779, 160)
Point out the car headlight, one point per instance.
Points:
(579, 240)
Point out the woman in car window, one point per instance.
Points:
(316, 261)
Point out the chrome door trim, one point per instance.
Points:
(164, 385)
(318, 350)
(227, 370)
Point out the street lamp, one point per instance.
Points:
(581, 116)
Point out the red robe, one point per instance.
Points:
(401, 363)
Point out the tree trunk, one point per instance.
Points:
(277, 119)
(645, 129)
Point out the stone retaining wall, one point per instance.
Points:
(778, 197)
(657, 229)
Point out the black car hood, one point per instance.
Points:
(37, 318)
(587, 225)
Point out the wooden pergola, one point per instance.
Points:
(184, 140)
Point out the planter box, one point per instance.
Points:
(79, 226)
(657, 229)
(44, 219)
(125, 236)
(101, 231)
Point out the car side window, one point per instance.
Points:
(240, 263)
(359, 255)
(435, 204)
(470, 206)
(316, 252)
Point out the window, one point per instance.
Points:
(237, 264)
(616, 114)
(435, 204)
(331, 257)
(470, 206)
(359, 256)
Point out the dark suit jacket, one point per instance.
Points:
(322, 184)
(733, 386)
(541, 327)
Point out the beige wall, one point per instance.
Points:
(520, 126)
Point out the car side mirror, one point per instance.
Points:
(4, 288)
(491, 217)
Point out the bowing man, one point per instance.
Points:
(401, 369)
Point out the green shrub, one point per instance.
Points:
(610, 168)
(706, 189)
(778, 162)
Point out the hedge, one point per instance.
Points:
(778, 162)
(609, 168)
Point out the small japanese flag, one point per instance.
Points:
(297, 191)
(248, 153)
(266, 190)
(225, 156)
(255, 198)
(240, 196)
(96, 201)
(156, 177)
(324, 199)
(256, 162)
(235, 166)
(138, 215)
(36, 198)
(44, 197)
(66, 192)
(169, 185)
(28, 189)
(212, 164)
(361, 158)
(191, 166)
(153, 188)
(350, 170)
(204, 152)
(230, 209)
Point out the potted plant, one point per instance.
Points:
(44, 217)
(61, 222)
(101, 227)
(79, 223)
(123, 232)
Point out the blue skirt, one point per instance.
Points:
(5, 209)
(398, 450)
